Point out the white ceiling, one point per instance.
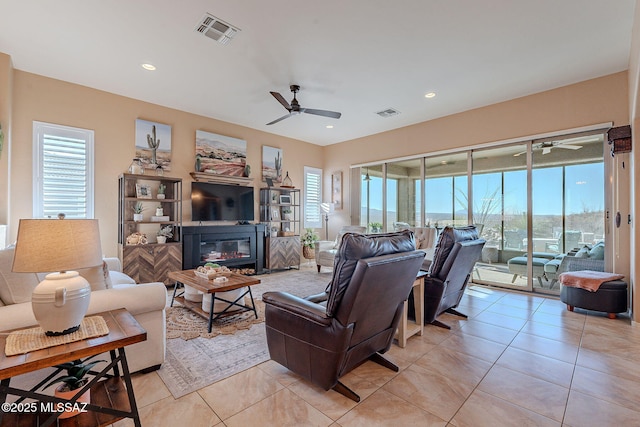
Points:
(355, 56)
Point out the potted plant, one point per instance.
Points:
(309, 240)
(286, 213)
(161, 190)
(137, 212)
(375, 227)
(164, 233)
(72, 380)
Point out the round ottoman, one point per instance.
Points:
(610, 298)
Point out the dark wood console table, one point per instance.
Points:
(112, 395)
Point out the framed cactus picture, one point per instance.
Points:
(153, 144)
(271, 163)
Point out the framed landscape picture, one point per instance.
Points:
(271, 163)
(153, 144)
(220, 155)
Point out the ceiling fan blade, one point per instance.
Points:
(281, 118)
(569, 147)
(281, 100)
(546, 150)
(325, 113)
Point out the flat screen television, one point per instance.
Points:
(219, 202)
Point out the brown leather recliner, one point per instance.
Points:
(455, 255)
(372, 277)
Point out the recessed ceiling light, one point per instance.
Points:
(329, 126)
(430, 95)
(149, 67)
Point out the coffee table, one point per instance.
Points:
(235, 281)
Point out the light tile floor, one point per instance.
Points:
(519, 360)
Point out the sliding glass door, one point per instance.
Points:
(499, 188)
(568, 202)
(533, 202)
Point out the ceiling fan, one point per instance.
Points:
(295, 108)
(547, 146)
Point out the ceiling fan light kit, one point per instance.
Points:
(294, 108)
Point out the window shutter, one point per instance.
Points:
(64, 172)
(312, 197)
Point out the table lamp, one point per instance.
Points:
(57, 246)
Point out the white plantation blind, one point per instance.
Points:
(63, 171)
(312, 197)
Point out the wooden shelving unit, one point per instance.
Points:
(280, 212)
(152, 261)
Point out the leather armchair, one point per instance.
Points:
(326, 250)
(321, 339)
(455, 255)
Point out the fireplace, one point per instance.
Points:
(239, 246)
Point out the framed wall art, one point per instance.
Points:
(336, 190)
(271, 163)
(153, 144)
(221, 155)
(143, 191)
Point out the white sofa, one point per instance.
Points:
(146, 302)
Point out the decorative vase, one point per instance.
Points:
(136, 167)
(308, 253)
(162, 239)
(159, 212)
(84, 398)
(160, 196)
(137, 217)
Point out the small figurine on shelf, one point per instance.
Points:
(161, 190)
(137, 212)
(159, 211)
(164, 233)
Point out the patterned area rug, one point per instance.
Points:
(184, 323)
(194, 363)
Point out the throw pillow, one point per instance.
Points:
(597, 252)
(15, 288)
(582, 253)
(98, 276)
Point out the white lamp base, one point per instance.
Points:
(60, 302)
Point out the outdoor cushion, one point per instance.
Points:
(597, 252)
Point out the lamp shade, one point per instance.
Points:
(49, 245)
(328, 208)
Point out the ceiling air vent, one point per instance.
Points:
(388, 112)
(216, 29)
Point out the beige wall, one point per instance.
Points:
(6, 74)
(112, 117)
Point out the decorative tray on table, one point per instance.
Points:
(211, 271)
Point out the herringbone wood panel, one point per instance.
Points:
(283, 252)
(152, 263)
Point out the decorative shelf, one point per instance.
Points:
(225, 179)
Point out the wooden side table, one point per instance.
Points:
(406, 328)
(112, 395)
